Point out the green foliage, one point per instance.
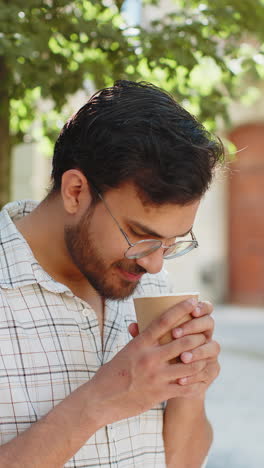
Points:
(202, 52)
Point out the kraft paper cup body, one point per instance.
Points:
(150, 307)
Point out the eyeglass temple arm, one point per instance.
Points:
(115, 220)
(123, 232)
(194, 238)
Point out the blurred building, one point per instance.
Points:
(229, 265)
(245, 205)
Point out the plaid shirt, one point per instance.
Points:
(50, 344)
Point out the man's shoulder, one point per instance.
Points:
(15, 255)
(7, 248)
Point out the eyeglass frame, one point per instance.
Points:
(131, 244)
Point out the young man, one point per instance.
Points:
(79, 386)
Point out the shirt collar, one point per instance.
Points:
(18, 266)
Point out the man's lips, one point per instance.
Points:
(130, 276)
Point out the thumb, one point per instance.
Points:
(133, 329)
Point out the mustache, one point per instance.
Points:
(134, 269)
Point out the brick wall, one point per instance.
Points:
(246, 217)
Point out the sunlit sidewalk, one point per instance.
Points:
(235, 401)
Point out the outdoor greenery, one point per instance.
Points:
(205, 53)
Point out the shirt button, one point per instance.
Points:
(85, 312)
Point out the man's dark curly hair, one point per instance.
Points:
(137, 132)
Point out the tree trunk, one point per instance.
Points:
(5, 153)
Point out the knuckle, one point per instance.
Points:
(208, 307)
(214, 370)
(218, 347)
(206, 373)
(193, 326)
(184, 307)
(200, 339)
(211, 322)
(152, 379)
(145, 361)
(215, 347)
(187, 306)
(198, 354)
(187, 342)
(203, 338)
(147, 334)
(164, 321)
(192, 341)
(203, 364)
(196, 366)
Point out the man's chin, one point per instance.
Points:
(117, 292)
(124, 291)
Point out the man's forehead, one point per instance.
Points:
(149, 230)
(129, 190)
(166, 220)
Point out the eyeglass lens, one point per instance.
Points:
(142, 249)
(181, 248)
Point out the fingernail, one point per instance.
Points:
(182, 381)
(177, 332)
(197, 310)
(192, 300)
(186, 356)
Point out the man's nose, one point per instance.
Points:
(153, 262)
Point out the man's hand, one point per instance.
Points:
(202, 322)
(141, 375)
(185, 422)
(209, 351)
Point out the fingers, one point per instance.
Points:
(204, 324)
(177, 347)
(168, 320)
(133, 329)
(207, 351)
(207, 374)
(178, 371)
(203, 308)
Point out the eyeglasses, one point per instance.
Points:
(145, 247)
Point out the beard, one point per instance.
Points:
(86, 256)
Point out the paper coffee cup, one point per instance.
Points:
(150, 307)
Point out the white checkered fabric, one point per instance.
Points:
(50, 344)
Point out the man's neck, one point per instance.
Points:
(43, 229)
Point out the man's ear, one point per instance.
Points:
(75, 191)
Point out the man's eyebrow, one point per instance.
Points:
(150, 232)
